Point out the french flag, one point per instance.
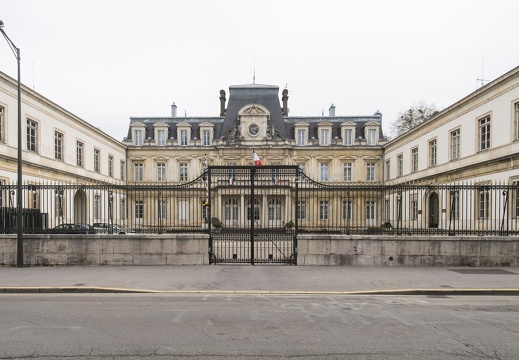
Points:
(255, 158)
(231, 180)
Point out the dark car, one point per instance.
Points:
(73, 229)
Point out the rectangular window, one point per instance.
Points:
(59, 211)
(123, 170)
(183, 209)
(97, 206)
(183, 138)
(371, 137)
(325, 137)
(97, 160)
(400, 165)
(183, 172)
(348, 137)
(370, 172)
(110, 165)
(138, 172)
(161, 137)
(484, 133)
(484, 202)
(58, 145)
(32, 135)
(370, 210)
(323, 209)
(414, 207)
(122, 210)
(325, 172)
(161, 209)
(455, 144)
(161, 172)
(2, 124)
(301, 137)
(388, 170)
(454, 205)
(302, 169)
(347, 210)
(206, 137)
(515, 196)
(414, 160)
(432, 153)
(301, 210)
(347, 171)
(139, 209)
(79, 153)
(138, 137)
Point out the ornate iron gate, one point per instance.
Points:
(252, 214)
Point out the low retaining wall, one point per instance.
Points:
(175, 249)
(407, 251)
(192, 249)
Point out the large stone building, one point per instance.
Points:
(329, 148)
(474, 140)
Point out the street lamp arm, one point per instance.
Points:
(14, 49)
(19, 206)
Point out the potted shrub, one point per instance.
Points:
(216, 223)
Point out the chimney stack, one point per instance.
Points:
(285, 102)
(222, 103)
(331, 110)
(173, 110)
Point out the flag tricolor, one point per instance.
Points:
(255, 158)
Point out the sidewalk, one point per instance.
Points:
(261, 279)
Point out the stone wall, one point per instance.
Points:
(407, 251)
(192, 249)
(175, 249)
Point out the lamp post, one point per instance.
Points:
(19, 208)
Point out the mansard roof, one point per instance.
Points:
(266, 96)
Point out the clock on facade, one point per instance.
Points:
(253, 129)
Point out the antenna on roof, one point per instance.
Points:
(254, 69)
(482, 79)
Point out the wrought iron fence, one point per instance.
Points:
(347, 208)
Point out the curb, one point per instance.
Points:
(97, 290)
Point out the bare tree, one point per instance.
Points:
(415, 115)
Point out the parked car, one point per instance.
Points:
(73, 229)
(107, 228)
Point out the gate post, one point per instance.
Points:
(252, 173)
(209, 214)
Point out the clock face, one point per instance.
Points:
(253, 129)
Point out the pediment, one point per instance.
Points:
(253, 110)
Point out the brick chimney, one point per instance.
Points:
(173, 110)
(331, 110)
(285, 102)
(222, 103)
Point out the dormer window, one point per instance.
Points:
(324, 137)
(371, 137)
(371, 130)
(301, 134)
(183, 134)
(325, 133)
(183, 138)
(138, 133)
(206, 134)
(161, 137)
(138, 137)
(348, 133)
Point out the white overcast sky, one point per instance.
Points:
(107, 60)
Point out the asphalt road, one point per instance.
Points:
(159, 326)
